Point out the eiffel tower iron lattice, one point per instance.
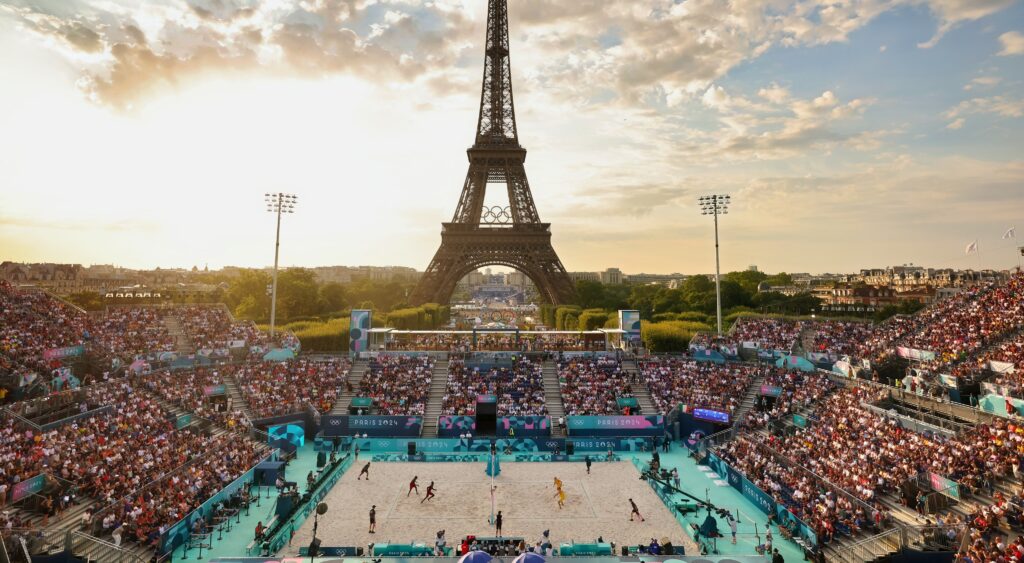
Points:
(512, 236)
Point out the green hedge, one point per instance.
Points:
(329, 336)
(670, 336)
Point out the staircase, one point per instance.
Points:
(749, 398)
(553, 397)
(236, 398)
(438, 386)
(355, 375)
(182, 343)
(640, 389)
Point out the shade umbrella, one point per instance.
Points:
(529, 557)
(476, 557)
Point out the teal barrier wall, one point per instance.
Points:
(179, 532)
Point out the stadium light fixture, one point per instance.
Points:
(716, 205)
(278, 203)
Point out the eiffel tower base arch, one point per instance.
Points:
(465, 248)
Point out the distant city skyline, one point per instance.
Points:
(850, 136)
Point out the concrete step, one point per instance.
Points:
(435, 400)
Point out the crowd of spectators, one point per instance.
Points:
(970, 320)
(32, 322)
(129, 455)
(519, 389)
(211, 328)
(818, 504)
(215, 463)
(955, 327)
(398, 385)
(131, 331)
(682, 381)
(200, 391)
(275, 388)
(868, 454)
(987, 528)
(1011, 351)
(837, 338)
(766, 333)
(591, 386)
(798, 390)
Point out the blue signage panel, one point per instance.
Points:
(711, 415)
(648, 425)
(372, 425)
(527, 425)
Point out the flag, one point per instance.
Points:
(972, 248)
(1010, 233)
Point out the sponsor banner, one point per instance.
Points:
(294, 434)
(771, 390)
(1002, 405)
(692, 430)
(26, 488)
(210, 390)
(630, 402)
(648, 425)
(761, 499)
(516, 445)
(455, 425)
(702, 354)
(58, 423)
(948, 381)
(944, 486)
(576, 559)
(800, 420)
(1001, 367)
(527, 425)
(183, 420)
(795, 362)
(915, 354)
(821, 358)
(359, 331)
(843, 368)
(372, 425)
(61, 353)
(486, 399)
(629, 322)
(997, 389)
(711, 415)
(749, 345)
(362, 402)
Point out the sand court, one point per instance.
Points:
(595, 505)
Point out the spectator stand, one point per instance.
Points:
(492, 340)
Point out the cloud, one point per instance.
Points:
(135, 49)
(638, 53)
(951, 13)
(983, 81)
(1012, 42)
(995, 105)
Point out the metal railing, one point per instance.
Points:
(715, 439)
(93, 548)
(871, 548)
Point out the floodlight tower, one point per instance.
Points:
(716, 205)
(278, 203)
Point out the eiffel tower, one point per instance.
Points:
(512, 236)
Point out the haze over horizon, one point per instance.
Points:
(850, 134)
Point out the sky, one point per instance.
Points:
(848, 133)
